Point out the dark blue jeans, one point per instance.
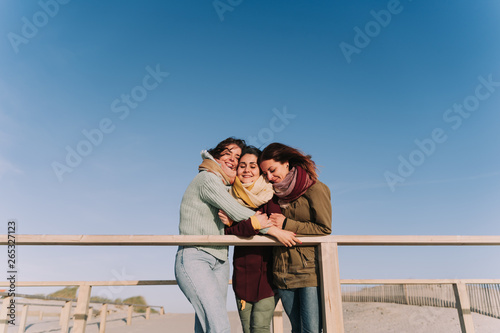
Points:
(303, 307)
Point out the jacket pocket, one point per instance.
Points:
(307, 256)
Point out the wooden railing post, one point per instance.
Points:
(148, 312)
(330, 288)
(278, 318)
(405, 293)
(129, 315)
(4, 315)
(81, 311)
(463, 307)
(61, 315)
(24, 317)
(91, 313)
(65, 316)
(162, 311)
(103, 314)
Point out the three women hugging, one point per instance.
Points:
(274, 192)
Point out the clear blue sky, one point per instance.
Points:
(398, 102)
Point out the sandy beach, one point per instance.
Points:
(358, 317)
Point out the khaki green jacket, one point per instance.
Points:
(310, 214)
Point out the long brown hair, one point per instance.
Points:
(217, 151)
(283, 153)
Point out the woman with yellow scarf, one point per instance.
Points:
(252, 273)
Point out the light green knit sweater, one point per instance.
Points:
(199, 208)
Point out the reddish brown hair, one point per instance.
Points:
(283, 153)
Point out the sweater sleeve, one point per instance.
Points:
(247, 228)
(243, 228)
(320, 207)
(215, 193)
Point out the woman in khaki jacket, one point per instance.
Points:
(306, 206)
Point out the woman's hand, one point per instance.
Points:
(263, 220)
(285, 237)
(277, 220)
(224, 218)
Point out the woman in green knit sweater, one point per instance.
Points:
(202, 272)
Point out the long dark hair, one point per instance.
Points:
(217, 151)
(283, 153)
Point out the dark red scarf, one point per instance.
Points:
(296, 183)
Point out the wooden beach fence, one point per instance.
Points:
(328, 258)
(65, 306)
(484, 298)
(484, 295)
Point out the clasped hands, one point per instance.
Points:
(274, 220)
(274, 224)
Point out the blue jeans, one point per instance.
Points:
(204, 280)
(303, 307)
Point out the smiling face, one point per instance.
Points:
(248, 169)
(274, 171)
(228, 160)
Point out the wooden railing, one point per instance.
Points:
(65, 306)
(328, 259)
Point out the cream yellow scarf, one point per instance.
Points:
(252, 195)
